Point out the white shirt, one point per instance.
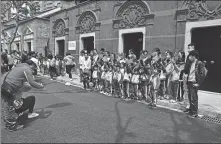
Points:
(95, 74)
(36, 62)
(86, 63)
(192, 76)
(69, 60)
(10, 60)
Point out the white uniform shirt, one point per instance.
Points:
(192, 76)
(86, 64)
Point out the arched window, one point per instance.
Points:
(132, 14)
(86, 22)
(59, 28)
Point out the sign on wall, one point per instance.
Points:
(72, 45)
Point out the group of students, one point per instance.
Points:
(11, 59)
(56, 65)
(148, 78)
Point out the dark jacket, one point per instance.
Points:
(200, 72)
(187, 66)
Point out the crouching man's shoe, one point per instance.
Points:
(33, 115)
(186, 111)
(13, 127)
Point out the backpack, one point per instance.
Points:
(205, 69)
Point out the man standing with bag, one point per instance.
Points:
(195, 78)
(18, 80)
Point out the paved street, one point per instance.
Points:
(70, 114)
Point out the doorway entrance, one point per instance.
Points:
(61, 47)
(17, 45)
(29, 46)
(133, 41)
(88, 43)
(208, 43)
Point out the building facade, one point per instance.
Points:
(32, 35)
(119, 26)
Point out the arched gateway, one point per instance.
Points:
(131, 19)
(59, 34)
(87, 26)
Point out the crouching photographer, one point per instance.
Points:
(20, 79)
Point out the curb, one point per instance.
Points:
(164, 103)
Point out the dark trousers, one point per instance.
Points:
(28, 104)
(53, 71)
(174, 89)
(68, 70)
(181, 89)
(116, 87)
(86, 80)
(10, 66)
(193, 98)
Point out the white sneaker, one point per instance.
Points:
(33, 115)
(67, 84)
(20, 114)
(71, 79)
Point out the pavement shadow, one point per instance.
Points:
(194, 128)
(58, 105)
(43, 114)
(122, 130)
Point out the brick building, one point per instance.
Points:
(119, 26)
(32, 35)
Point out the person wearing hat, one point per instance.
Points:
(18, 80)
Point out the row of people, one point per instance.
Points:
(150, 77)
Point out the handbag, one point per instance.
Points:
(162, 76)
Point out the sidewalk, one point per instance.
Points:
(209, 104)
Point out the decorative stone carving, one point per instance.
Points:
(133, 14)
(118, 3)
(43, 31)
(87, 23)
(202, 9)
(59, 28)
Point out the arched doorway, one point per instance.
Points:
(87, 26)
(131, 19)
(59, 34)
